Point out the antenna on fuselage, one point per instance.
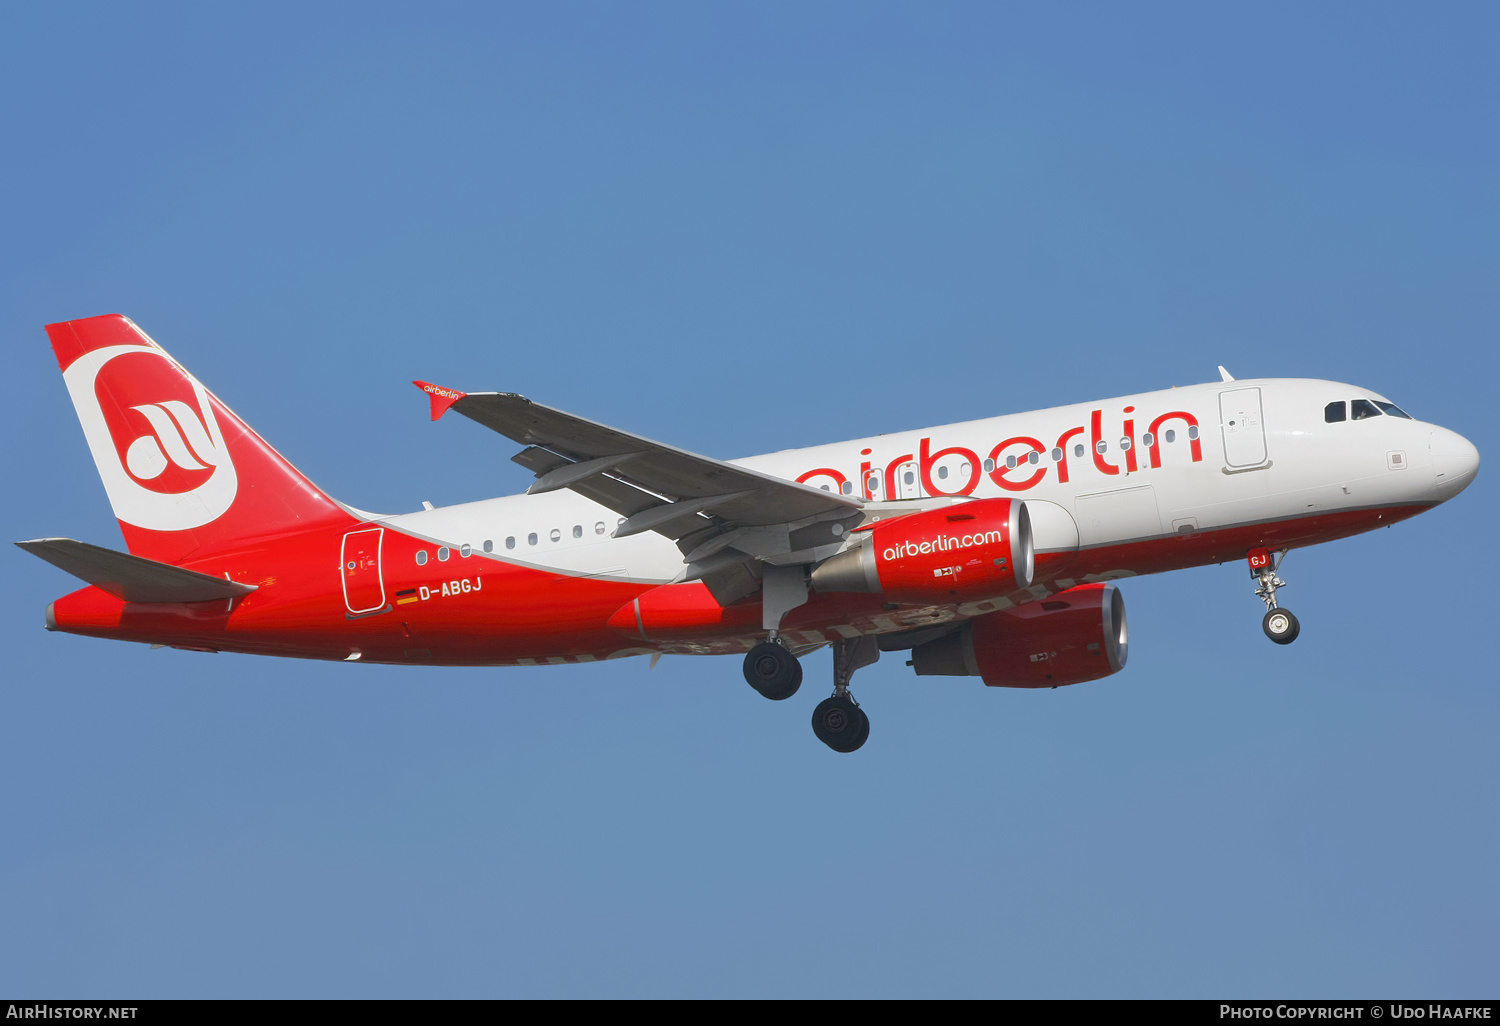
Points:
(1224, 375)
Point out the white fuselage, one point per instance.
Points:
(1220, 455)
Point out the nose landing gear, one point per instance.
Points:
(1279, 624)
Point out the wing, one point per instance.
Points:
(719, 514)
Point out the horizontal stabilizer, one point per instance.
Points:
(132, 578)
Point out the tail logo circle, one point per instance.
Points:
(154, 437)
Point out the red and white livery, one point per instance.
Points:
(987, 548)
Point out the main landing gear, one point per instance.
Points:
(1279, 624)
(770, 667)
(772, 670)
(838, 721)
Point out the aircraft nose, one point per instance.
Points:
(1455, 461)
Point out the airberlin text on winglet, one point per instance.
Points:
(440, 397)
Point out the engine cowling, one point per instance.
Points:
(1075, 636)
(972, 550)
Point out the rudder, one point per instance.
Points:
(185, 476)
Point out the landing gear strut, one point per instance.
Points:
(770, 667)
(1279, 624)
(772, 670)
(838, 721)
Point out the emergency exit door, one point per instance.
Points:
(364, 591)
(1243, 428)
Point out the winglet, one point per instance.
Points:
(441, 397)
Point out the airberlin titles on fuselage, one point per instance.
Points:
(1032, 457)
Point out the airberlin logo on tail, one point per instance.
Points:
(154, 437)
(177, 430)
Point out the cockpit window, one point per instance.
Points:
(1333, 413)
(1363, 409)
(1393, 410)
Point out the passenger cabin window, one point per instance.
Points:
(443, 554)
(1334, 413)
(577, 530)
(1078, 451)
(465, 550)
(599, 527)
(489, 545)
(510, 542)
(1363, 409)
(556, 535)
(421, 557)
(1170, 436)
(531, 538)
(989, 466)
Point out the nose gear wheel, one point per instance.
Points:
(1280, 626)
(1278, 623)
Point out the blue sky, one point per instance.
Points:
(739, 228)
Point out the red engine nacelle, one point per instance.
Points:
(1077, 635)
(972, 550)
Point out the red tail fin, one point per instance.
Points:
(186, 477)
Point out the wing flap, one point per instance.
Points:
(625, 499)
(132, 578)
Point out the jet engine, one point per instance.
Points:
(1077, 635)
(972, 550)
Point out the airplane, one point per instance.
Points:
(987, 549)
